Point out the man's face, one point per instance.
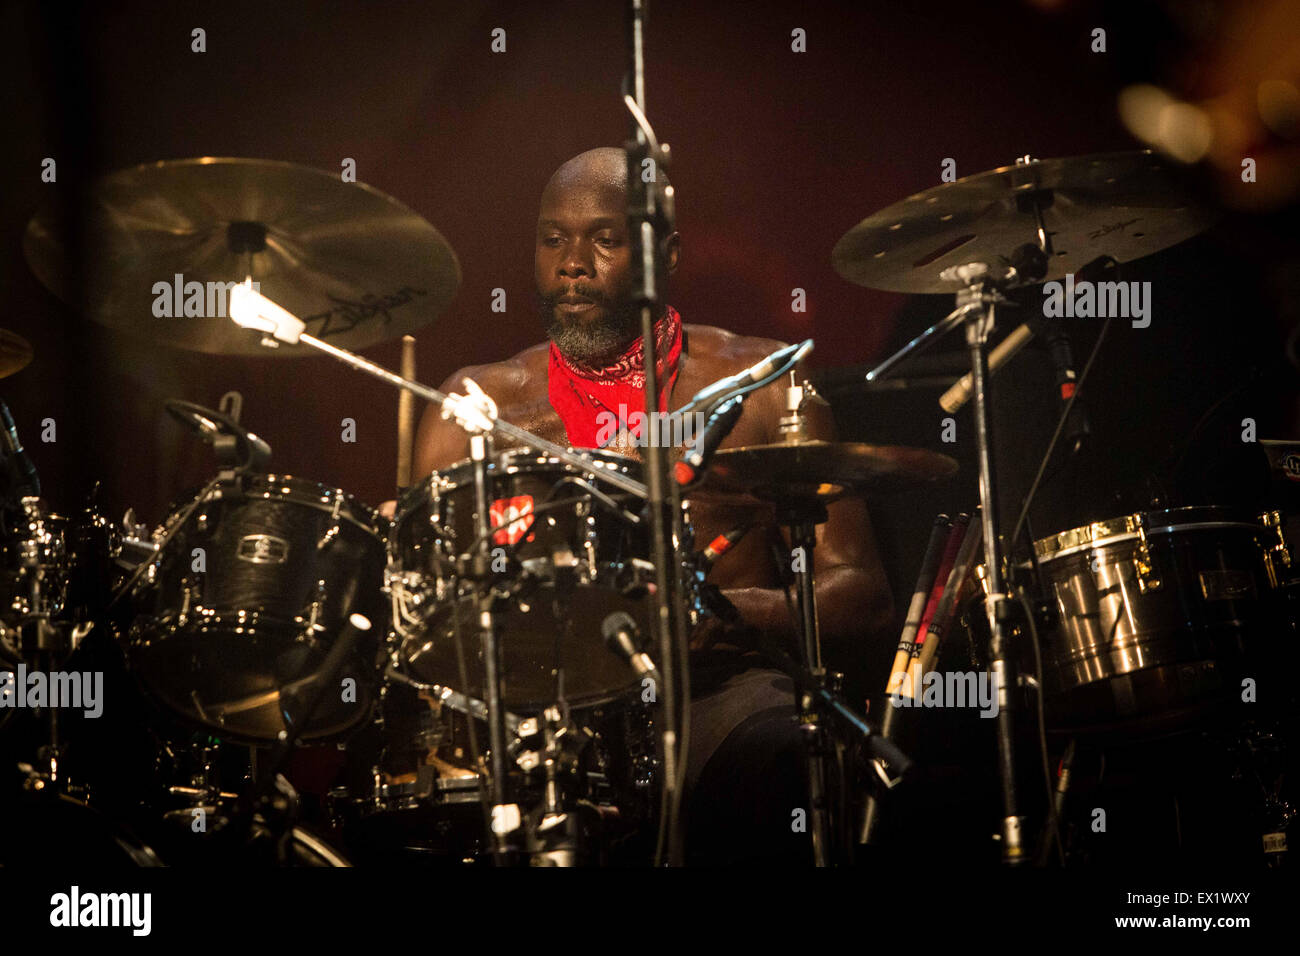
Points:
(583, 270)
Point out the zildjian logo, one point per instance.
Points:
(347, 315)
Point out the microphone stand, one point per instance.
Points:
(650, 220)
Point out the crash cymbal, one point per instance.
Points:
(355, 264)
(1123, 205)
(15, 353)
(820, 471)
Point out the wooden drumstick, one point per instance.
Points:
(406, 417)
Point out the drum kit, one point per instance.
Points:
(479, 656)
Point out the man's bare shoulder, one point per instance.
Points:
(506, 380)
(729, 348)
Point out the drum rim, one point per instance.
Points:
(1126, 528)
(517, 460)
(318, 495)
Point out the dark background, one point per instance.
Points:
(777, 154)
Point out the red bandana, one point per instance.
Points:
(580, 393)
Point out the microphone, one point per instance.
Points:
(718, 426)
(961, 390)
(227, 437)
(757, 375)
(1062, 357)
(23, 480)
(623, 638)
(721, 545)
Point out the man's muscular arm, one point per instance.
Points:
(853, 596)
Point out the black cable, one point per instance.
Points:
(1056, 435)
(1042, 727)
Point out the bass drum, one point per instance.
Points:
(47, 828)
(249, 594)
(1158, 614)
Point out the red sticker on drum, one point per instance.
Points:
(514, 516)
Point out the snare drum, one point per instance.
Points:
(248, 595)
(568, 550)
(1157, 611)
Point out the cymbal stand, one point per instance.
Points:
(980, 292)
(802, 519)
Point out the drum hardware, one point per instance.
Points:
(457, 701)
(650, 223)
(238, 450)
(799, 478)
(979, 237)
(1146, 579)
(1277, 556)
(553, 744)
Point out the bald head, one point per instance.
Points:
(603, 168)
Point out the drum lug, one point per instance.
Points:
(313, 614)
(1147, 579)
(333, 532)
(190, 599)
(1277, 557)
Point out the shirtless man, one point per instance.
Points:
(743, 740)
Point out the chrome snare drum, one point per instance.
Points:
(568, 550)
(1156, 611)
(250, 592)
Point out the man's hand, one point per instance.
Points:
(721, 624)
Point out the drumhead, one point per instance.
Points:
(1166, 522)
(512, 461)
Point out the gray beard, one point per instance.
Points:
(594, 345)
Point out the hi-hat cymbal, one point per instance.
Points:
(355, 264)
(15, 353)
(1122, 205)
(820, 471)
